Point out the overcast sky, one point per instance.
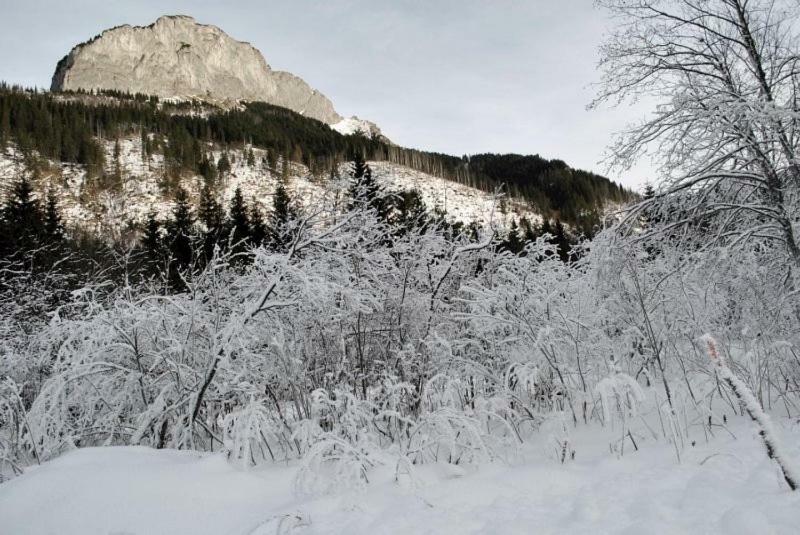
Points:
(458, 76)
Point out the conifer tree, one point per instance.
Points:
(223, 164)
(212, 217)
(278, 223)
(151, 239)
(5, 124)
(258, 228)
(513, 243)
(562, 241)
(53, 227)
(153, 246)
(208, 171)
(179, 238)
(529, 233)
(238, 221)
(22, 218)
(364, 190)
(408, 210)
(547, 228)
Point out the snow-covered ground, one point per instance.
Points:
(352, 125)
(725, 486)
(460, 203)
(109, 214)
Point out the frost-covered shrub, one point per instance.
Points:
(362, 346)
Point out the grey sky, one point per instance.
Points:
(460, 77)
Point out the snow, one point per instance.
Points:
(111, 214)
(724, 486)
(460, 202)
(352, 125)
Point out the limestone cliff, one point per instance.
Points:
(178, 57)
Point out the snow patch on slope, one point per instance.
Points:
(353, 125)
(117, 214)
(460, 202)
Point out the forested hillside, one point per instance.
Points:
(67, 126)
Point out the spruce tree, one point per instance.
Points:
(212, 217)
(529, 233)
(208, 171)
(5, 124)
(547, 228)
(153, 246)
(408, 211)
(562, 241)
(180, 231)
(22, 217)
(151, 239)
(278, 223)
(223, 164)
(364, 190)
(258, 228)
(238, 221)
(513, 243)
(53, 228)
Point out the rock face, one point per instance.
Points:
(177, 57)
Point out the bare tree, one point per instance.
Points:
(726, 75)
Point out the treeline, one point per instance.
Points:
(172, 248)
(551, 185)
(67, 129)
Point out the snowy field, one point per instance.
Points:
(725, 486)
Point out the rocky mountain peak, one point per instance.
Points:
(178, 57)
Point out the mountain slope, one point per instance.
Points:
(69, 130)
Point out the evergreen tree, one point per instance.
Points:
(364, 189)
(151, 239)
(278, 223)
(529, 232)
(408, 210)
(22, 218)
(223, 164)
(153, 246)
(258, 228)
(238, 220)
(179, 240)
(5, 123)
(211, 215)
(562, 242)
(53, 228)
(208, 171)
(513, 243)
(547, 228)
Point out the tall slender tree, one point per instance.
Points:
(53, 226)
(239, 231)
(279, 218)
(179, 240)
(212, 218)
